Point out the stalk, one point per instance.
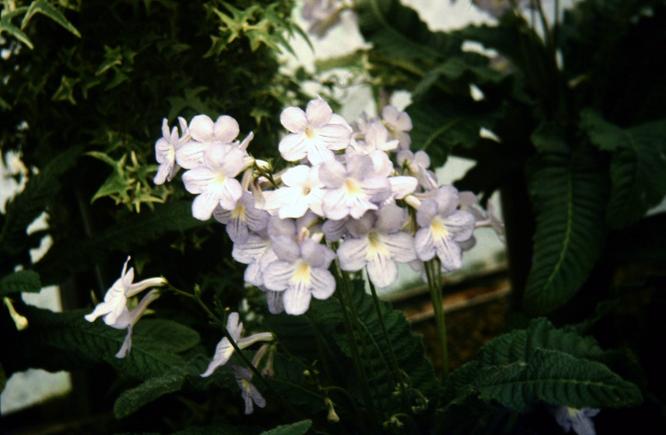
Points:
(433, 274)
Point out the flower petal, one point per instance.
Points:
(318, 112)
(231, 193)
(334, 136)
(424, 244)
(401, 246)
(382, 271)
(449, 253)
(296, 300)
(296, 176)
(293, 119)
(390, 218)
(323, 283)
(226, 129)
(274, 301)
(352, 254)
(204, 204)
(197, 180)
(190, 155)
(201, 128)
(293, 147)
(277, 275)
(402, 186)
(223, 352)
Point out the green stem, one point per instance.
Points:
(433, 275)
(346, 304)
(395, 368)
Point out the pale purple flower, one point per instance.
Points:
(417, 164)
(115, 299)
(205, 132)
(379, 247)
(398, 124)
(225, 349)
(166, 148)
(129, 318)
(214, 182)
(313, 133)
(251, 396)
(375, 145)
(484, 218)
(256, 252)
(242, 219)
(301, 272)
(580, 420)
(302, 192)
(443, 228)
(353, 189)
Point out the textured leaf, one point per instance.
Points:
(26, 206)
(298, 428)
(45, 8)
(637, 166)
(568, 198)
(540, 364)
(397, 31)
(558, 379)
(71, 334)
(152, 389)
(21, 281)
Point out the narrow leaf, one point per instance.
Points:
(21, 281)
(45, 8)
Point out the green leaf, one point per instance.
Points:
(21, 281)
(558, 379)
(569, 199)
(152, 389)
(45, 8)
(12, 30)
(298, 428)
(165, 334)
(541, 363)
(69, 334)
(637, 167)
(397, 31)
(26, 206)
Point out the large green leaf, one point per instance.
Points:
(558, 379)
(540, 363)
(70, 334)
(637, 165)
(18, 282)
(152, 389)
(397, 31)
(569, 198)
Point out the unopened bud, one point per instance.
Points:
(263, 165)
(332, 416)
(19, 321)
(413, 201)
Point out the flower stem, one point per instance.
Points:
(395, 368)
(344, 296)
(433, 274)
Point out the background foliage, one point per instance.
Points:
(579, 161)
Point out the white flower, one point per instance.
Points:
(301, 273)
(225, 349)
(249, 392)
(115, 299)
(313, 133)
(214, 182)
(380, 247)
(205, 132)
(417, 164)
(375, 146)
(580, 420)
(443, 228)
(352, 190)
(398, 124)
(166, 148)
(129, 318)
(303, 192)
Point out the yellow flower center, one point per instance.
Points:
(309, 132)
(238, 212)
(438, 228)
(352, 188)
(375, 246)
(302, 273)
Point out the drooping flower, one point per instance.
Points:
(443, 228)
(242, 219)
(166, 148)
(379, 247)
(115, 299)
(301, 273)
(484, 218)
(205, 132)
(129, 318)
(214, 182)
(353, 189)
(224, 349)
(398, 124)
(580, 420)
(249, 392)
(302, 192)
(313, 133)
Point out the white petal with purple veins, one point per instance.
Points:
(323, 283)
(296, 300)
(278, 274)
(352, 254)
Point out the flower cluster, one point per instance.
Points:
(356, 195)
